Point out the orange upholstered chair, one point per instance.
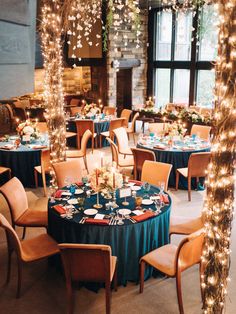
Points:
(197, 166)
(122, 141)
(81, 153)
(154, 172)
(203, 131)
(114, 124)
(131, 130)
(75, 102)
(172, 260)
(42, 127)
(121, 162)
(43, 169)
(109, 111)
(126, 113)
(70, 169)
(82, 126)
(21, 214)
(140, 155)
(30, 250)
(75, 110)
(88, 262)
(185, 225)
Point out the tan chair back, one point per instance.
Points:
(82, 126)
(126, 113)
(84, 141)
(133, 121)
(157, 128)
(74, 102)
(45, 160)
(122, 138)
(203, 131)
(86, 262)
(140, 155)
(115, 124)
(109, 110)
(198, 163)
(154, 172)
(42, 127)
(67, 169)
(190, 250)
(114, 151)
(15, 195)
(75, 110)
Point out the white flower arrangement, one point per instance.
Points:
(91, 109)
(27, 128)
(175, 129)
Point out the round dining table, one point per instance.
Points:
(21, 160)
(177, 155)
(129, 241)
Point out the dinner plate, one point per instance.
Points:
(72, 201)
(135, 188)
(79, 191)
(147, 202)
(124, 211)
(90, 211)
(66, 193)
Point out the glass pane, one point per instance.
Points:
(181, 86)
(208, 34)
(164, 34)
(183, 36)
(162, 88)
(205, 88)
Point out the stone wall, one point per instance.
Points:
(139, 74)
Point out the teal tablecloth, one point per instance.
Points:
(129, 242)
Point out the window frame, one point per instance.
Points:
(193, 64)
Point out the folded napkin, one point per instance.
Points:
(60, 209)
(187, 148)
(97, 221)
(136, 182)
(144, 216)
(58, 193)
(164, 198)
(39, 146)
(159, 147)
(7, 147)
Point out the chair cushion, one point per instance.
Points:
(106, 134)
(128, 161)
(74, 153)
(183, 171)
(185, 225)
(34, 218)
(38, 247)
(126, 151)
(162, 259)
(70, 134)
(129, 130)
(4, 169)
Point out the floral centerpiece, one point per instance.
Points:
(91, 109)
(28, 128)
(175, 129)
(149, 104)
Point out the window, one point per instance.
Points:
(180, 68)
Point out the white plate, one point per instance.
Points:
(79, 191)
(147, 202)
(90, 211)
(66, 193)
(72, 201)
(135, 188)
(124, 211)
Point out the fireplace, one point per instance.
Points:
(124, 90)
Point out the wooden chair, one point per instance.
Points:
(42, 127)
(75, 102)
(173, 260)
(30, 250)
(82, 126)
(157, 128)
(140, 155)
(203, 131)
(75, 110)
(82, 152)
(4, 170)
(122, 141)
(131, 130)
(21, 214)
(67, 169)
(154, 172)
(122, 163)
(114, 124)
(126, 113)
(185, 225)
(109, 111)
(197, 166)
(43, 169)
(88, 262)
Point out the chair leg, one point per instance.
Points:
(134, 137)
(189, 188)
(179, 292)
(115, 279)
(9, 174)
(9, 266)
(177, 180)
(36, 178)
(19, 264)
(85, 163)
(108, 297)
(24, 232)
(201, 270)
(44, 183)
(142, 270)
(70, 300)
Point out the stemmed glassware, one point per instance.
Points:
(146, 186)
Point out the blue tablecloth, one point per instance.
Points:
(178, 159)
(129, 242)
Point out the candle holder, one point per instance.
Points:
(114, 204)
(97, 206)
(125, 203)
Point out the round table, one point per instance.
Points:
(22, 161)
(178, 158)
(129, 242)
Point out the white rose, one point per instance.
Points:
(28, 130)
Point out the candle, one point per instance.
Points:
(28, 114)
(96, 166)
(114, 178)
(36, 120)
(164, 125)
(101, 155)
(17, 120)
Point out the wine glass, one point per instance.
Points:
(162, 187)
(146, 186)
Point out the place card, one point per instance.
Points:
(125, 192)
(138, 212)
(99, 216)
